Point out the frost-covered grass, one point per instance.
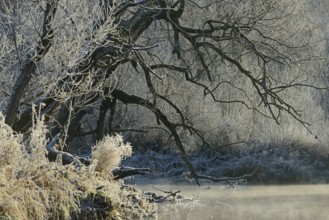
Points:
(31, 187)
(279, 164)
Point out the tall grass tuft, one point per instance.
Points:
(108, 154)
(31, 187)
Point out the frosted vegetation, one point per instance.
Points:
(280, 164)
(199, 88)
(34, 188)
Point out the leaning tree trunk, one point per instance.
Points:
(31, 63)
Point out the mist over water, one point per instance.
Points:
(245, 202)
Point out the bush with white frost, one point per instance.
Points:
(108, 154)
(31, 187)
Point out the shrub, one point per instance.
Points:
(31, 187)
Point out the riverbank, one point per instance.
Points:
(275, 164)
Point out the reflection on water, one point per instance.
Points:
(247, 202)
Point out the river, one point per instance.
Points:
(210, 201)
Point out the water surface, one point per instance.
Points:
(245, 202)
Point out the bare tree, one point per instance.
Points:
(81, 54)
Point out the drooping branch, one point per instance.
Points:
(132, 99)
(207, 90)
(155, 94)
(199, 41)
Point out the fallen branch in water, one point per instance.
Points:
(163, 198)
(228, 179)
(122, 172)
